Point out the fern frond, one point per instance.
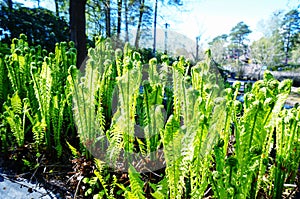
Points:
(15, 123)
(38, 131)
(116, 143)
(172, 150)
(100, 166)
(16, 103)
(128, 86)
(178, 91)
(15, 116)
(160, 189)
(74, 151)
(153, 73)
(4, 88)
(136, 183)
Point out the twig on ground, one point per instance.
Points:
(77, 187)
(152, 172)
(39, 163)
(207, 192)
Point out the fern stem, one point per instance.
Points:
(252, 129)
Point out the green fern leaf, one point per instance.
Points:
(136, 183)
(16, 104)
(74, 151)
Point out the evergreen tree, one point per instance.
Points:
(238, 36)
(289, 31)
(219, 49)
(40, 25)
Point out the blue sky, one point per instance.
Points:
(210, 18)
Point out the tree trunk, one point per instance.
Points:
(126, 21)
(9, 4)
(286, 60)
(56, 8)
(107, 18)
(119, 18)
(154, 29)
(77, 26)
(287, 50)
(138, 31)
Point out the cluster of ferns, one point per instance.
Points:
(141, 117)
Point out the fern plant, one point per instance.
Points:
(190, 134)
(286, 160)
(153, 117)
(40, 81)
(4, 88)
(16, 113)
(253, 133)
(136, 185)
(18, 65)
(160, 189)
(124, 120)
(92, 95)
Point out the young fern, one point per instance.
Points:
(57, 111)
(36, 78)
(15, 114)
(253, 133)
(92, 95)
(84, 106)
(153, 118)
(59, 63)
(4, 88)
(160, 189)
(172, 151)
(18, 66)
(128, 88)
(287, 151)
(178, 75)
(99, 172)
(197, 110)
(5, 137)
(136, 184)
(277, 93)
(42, 83)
